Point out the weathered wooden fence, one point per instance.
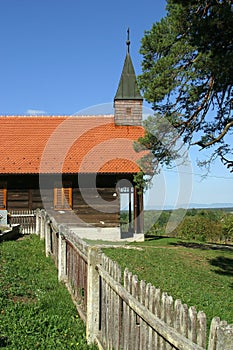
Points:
(26, 219)
(120, 311)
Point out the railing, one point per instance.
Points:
(26, 219)
(120, 311)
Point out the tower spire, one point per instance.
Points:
(128, 100)
(128, 41)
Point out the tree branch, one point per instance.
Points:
(216, 139)
(203, 104)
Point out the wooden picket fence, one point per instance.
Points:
(26, 219)
(136, 315)
(120, 311)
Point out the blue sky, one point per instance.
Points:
(61, 56)
(65, 56)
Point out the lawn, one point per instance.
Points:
(36, 312)
(198, 274)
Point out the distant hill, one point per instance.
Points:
(210, 206)
(193, 205)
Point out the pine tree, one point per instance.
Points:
(187, 74)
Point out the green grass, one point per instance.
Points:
(195, 273)
(36, 312)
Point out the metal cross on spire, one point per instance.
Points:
(128, 41)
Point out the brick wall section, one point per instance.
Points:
(128, 112)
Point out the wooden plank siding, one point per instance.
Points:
(22, 199)
(99, 208)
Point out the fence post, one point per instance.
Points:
(93, 294)
(47, 236)
(62, 254)
(38, 222)
(221, 335)
(42, 224)
(224, 337)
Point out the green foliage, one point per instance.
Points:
(197, 224)
(195, 273)
(160, 141)
(227, 227)
(187, 74)
(139, 179)
(207, 226)
(36, 311)
(198, 228)
(155, 221)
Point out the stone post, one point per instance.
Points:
(47, 236)
(93, 295)
(62, 254)
(38, 222)
(42, 225)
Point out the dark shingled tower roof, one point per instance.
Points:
(128, 88)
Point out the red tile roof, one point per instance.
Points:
(67, 144)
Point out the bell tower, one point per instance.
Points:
(128, 100)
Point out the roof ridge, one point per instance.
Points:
(57, 116)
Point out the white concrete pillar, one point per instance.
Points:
(38, 222)
(62, 254)
(42, 225)
(47, 236)
(93, 295)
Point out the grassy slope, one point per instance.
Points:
(199, 277)
(36, 312)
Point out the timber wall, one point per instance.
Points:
(100, 210)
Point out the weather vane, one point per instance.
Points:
(128, 41)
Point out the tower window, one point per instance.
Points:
(128, 110)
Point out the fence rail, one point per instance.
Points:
(120, 311)
(26, 219)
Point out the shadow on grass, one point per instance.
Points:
(3, 341)
(154, 238)
(203, 246)
(224, 265)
